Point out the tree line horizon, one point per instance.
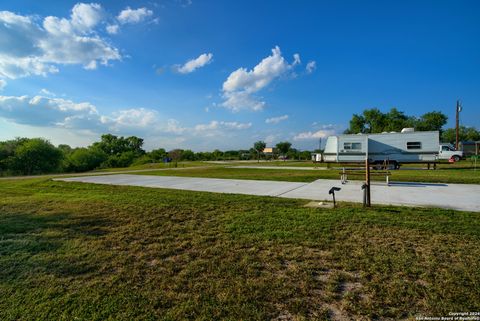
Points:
(27, 156)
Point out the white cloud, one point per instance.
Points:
(173, 126)
(296, 59)
(276, 120)
(51, 112)
(46, 92)
(54, 114)
(86, 16)
(131, 118)
(28, 48)
(270, 139)
(129, 15)
(3, 83)
(241, 84)
(193, 64)
(217, 125)
(112, 29)
(325, 131)
(42, 111)
(311, 66)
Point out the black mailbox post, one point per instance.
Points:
(332, 191)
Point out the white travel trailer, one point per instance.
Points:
(408, 146)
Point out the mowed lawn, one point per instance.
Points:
(458, 175)
(73, 251)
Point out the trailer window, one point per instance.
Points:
(414, 145)
(352, 146)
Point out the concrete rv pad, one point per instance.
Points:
(464, 197)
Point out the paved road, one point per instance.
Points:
(464, 197)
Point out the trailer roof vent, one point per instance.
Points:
(408, 130)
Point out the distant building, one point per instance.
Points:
(269, 150)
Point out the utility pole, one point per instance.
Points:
(457, 116)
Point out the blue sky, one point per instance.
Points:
(223, 74)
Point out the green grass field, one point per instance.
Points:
(72, 251)
(154, 166)
(459, 175)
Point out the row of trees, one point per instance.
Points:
(375, 121)
(36, 155)
(27, 156)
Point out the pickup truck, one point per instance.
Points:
(447, 151)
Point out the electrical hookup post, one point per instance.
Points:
(366, 191)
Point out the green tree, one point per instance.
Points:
(259, 147)
(283, 147)
(7, 150)
(113, 145)
(158, 155)
(36, 156)
(293, 154)
(66, 149)
(85, 159)
(374, 121)
(397, 120)
(357, 125)
(134, 144)
(305, 155)
(217, 154)
(188, 155)
(464, 134)
(434, 120)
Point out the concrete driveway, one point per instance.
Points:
(464, 197)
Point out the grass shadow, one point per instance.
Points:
(53, 243)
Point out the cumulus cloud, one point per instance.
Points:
(276, 120)
(3, 83)
(42, 111)
(112, 29)
(311, 66)
(324, 131)
(58, 113)
(241, 84)
(216, 125)
(46, 92)
(86, 16)
(129, 15)
(193, 64)
(131, 118)
(29, 48)
(174, 127)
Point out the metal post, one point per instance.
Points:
(364, 189)
(367, 180)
